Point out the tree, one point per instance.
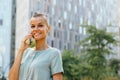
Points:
(96, 46)
(115, 65)
(71, 65)
(91, 63)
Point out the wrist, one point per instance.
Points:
(21, 49)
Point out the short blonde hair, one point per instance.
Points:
(36, 14)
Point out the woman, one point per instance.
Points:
(41, 62)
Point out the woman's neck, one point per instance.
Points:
(41, 45)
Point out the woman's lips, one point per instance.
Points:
(37, 34)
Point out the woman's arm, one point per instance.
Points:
(57, 76)
(14, 71)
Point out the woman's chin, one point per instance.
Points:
(38, 39)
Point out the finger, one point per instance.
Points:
(26, 37)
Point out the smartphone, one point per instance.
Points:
(31, 42)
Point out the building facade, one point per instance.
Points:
(7, 34)
(22, 21)
(67, 18)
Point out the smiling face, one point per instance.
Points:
(39, 27)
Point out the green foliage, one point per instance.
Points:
(98, 39)
(96, 48)
(70, 64)
(114, 65)
(91, 63)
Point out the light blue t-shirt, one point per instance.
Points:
(40, 65)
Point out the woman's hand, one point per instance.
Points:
(24, 45)
(57, 76)
(14, 71)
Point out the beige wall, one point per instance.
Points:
(22, 21)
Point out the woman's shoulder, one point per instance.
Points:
(55, 51)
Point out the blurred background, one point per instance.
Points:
(68, 19)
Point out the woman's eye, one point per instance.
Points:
(32, 26)
(40, 25)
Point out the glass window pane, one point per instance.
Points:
(54, 2)
(65, 15)
(70, 26)
(75, 9)
(69, 6)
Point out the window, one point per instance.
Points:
(83, 3)
(60, 44)
(80, 30)
(65, 47)
(55, 34)
(59, 23)
(54, 2)
(93, 7)
(97, 24)
(70, 26)
(1, 22)
(75, 9)
(69, 46)
(53, 11)
(65, 36)
(38, 5)
(60, 34)
(89, 22)
(89, 14)
(71, 36)
(65, 15)
(68, 36)
(84, 31)
(76, 38)
(81, 20)
(69, 6)
(80, 2)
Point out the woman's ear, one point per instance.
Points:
(48, 29)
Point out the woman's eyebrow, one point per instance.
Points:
(40, 23)
(32, 24)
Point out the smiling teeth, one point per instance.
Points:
(37, 33)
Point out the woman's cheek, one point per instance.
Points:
(32, 32)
